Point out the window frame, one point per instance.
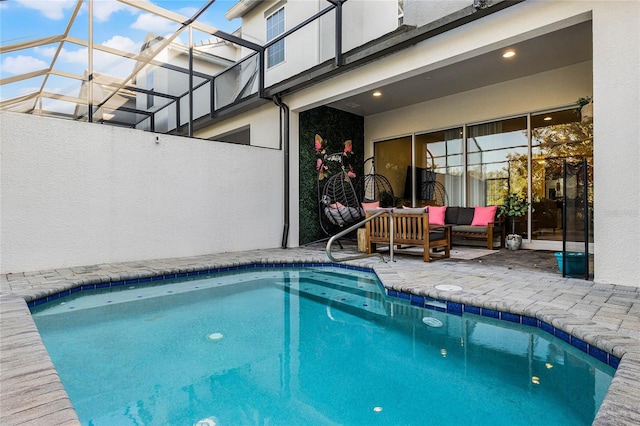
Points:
(275, 52)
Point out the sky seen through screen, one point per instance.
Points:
(115, 25)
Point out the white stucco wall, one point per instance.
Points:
(263, 122)
(421, 12)
(264, 129)
(616, 124)
(78, 194)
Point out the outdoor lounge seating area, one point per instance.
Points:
(462, 225)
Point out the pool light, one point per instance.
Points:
(377, 94)
(215, 336)
(509, 54)
(209, 421)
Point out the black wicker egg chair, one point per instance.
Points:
(338, 204)
(430, 189)
(374, 187)
(434, 192)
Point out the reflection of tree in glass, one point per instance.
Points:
(571, 142)
(552, 145)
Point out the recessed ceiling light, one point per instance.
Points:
(509, 53)
(547, 118)
(377, 94)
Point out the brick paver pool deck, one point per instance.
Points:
(522, 282)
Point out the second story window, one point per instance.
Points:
(275, 27)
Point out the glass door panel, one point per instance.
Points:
(556, 137)
(440, 168)
(497, 163)
(393, 161)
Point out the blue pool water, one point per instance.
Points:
(314, 346)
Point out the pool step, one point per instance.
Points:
(347, 298)
(360, 280)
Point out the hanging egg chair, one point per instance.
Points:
(338, 202)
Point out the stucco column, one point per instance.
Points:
(616, 93)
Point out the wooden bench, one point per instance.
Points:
(410, 229)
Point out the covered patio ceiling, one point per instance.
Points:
(555, 49)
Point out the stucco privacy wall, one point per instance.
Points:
(79, 194)
(616, 89)
(264, 130)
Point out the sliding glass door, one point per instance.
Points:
(439, 168)
(393, 160)
(523, 155)
(497, 155)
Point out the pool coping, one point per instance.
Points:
(32, 391)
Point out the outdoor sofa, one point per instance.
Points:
(473, 224)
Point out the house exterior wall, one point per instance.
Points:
(616, 93)
(363, 21)
(615, 89)
(301, 49)
(421, 12)
(263, 122)
(79, 194)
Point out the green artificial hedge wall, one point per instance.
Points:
(335, 127)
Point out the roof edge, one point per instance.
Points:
(241, 8)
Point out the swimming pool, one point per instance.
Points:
(243, 348)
